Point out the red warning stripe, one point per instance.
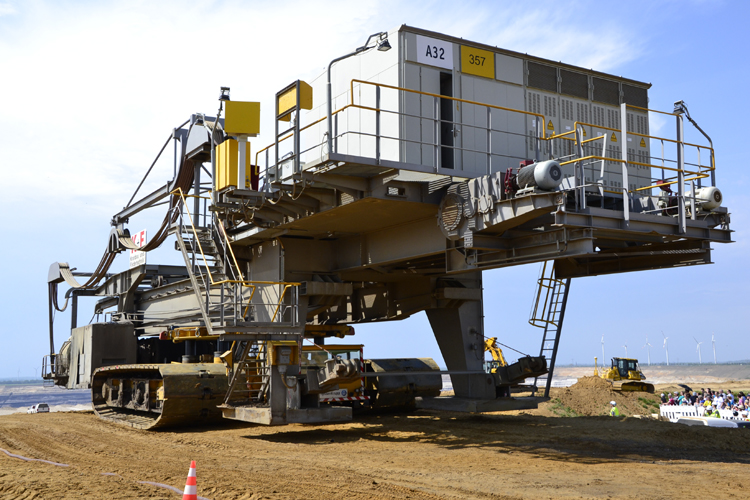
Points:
(350, 398)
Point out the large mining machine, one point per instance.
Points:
(416, 162)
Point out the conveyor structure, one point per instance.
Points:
(386, 192)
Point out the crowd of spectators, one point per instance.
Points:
(710, 400)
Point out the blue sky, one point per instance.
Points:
(90, 90)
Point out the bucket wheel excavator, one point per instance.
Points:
(374, 218)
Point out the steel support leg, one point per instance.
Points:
(460, 336)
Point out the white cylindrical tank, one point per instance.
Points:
(708, 197)
(544, 175)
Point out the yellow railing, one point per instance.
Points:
(242, 281)
(699, 174)
(455, 99)
(352, 104)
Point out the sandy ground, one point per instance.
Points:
(427, 454)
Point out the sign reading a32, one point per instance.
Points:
(477, 62)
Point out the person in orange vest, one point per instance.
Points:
(614, 411)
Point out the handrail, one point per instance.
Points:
(653, 110)
(200, 247)
(672, 140)
(594, 139)
(594, 157)
(229, 246)
(699, 174)
(242, 282)
(465, 101)
(303, 128)
(713, 166)
(560, 136)
(369, 108)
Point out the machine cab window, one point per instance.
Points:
(626, 365)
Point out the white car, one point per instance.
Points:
(39, 408)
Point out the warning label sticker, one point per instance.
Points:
(550, 126)
(643, 143)
(613, 138)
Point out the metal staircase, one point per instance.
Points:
(215, 280)
(250, 377)
(234, 309)
(230, 305)
(548, 313)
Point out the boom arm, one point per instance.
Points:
(497, 353)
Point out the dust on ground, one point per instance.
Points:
(424, 455)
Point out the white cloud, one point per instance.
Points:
(656, 123)
(6, 9)
(98, 89)
(555, 32)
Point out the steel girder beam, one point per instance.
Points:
(645, 257)
(611, 223)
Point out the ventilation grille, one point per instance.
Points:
(550, 106)
(396, 191)
(542, 77)
(606, 91)
(613, 118)
(635, 96)
(582, 112)
(345, 198)
(575, 84)
(641, 124)
(599, 116)
(535, 102)
(451, 213)
(615, 153)
(567, 110)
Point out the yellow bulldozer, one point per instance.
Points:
(625, 375)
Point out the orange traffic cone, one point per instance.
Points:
(191, 484)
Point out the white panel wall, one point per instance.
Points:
(373, 65)
(410, 134)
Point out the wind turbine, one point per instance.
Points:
(713, 343)
(647, 346)
(698, 348)
(603, 357)
(666, 347)
(626, 349)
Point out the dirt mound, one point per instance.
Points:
(591, 396)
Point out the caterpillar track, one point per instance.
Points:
(159, 395)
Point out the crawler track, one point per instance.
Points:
(154, 396)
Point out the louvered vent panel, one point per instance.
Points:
(542, 77)
(606, 91)
(575, 84)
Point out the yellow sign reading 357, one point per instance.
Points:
(477, 62)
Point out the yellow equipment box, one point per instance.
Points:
(283, 352)
(227, 165)
(288, 99)
(242, 118)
